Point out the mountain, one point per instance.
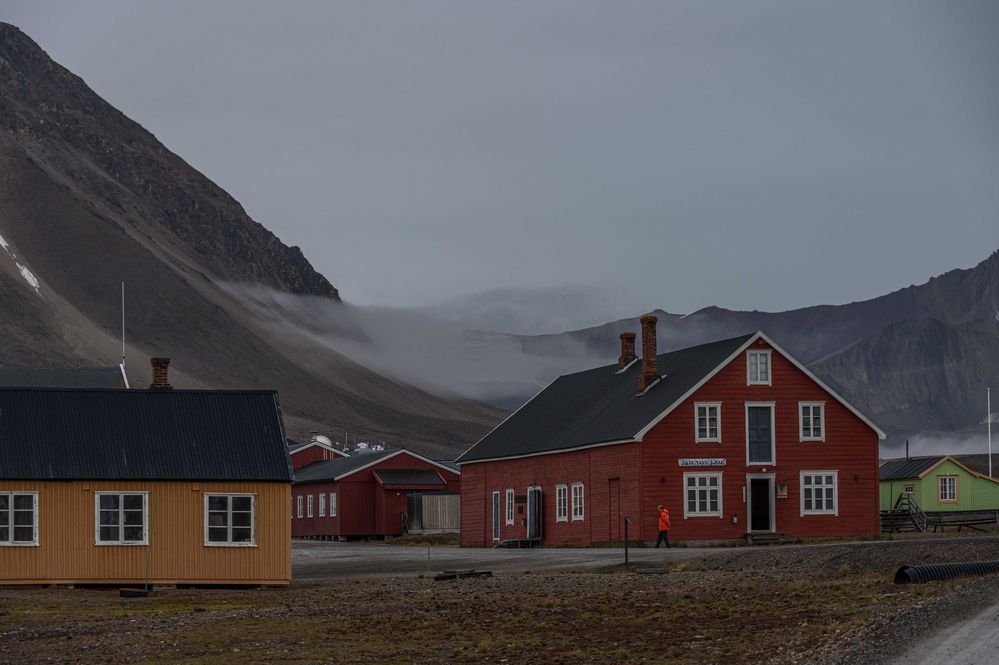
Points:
(915, 360)
(88, 199)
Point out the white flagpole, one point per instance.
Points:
(988, 399)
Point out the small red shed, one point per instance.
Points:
(735, 437)
(318, 449)
(375, 493)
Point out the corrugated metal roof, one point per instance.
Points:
(426, 477)
(905, 469)
(142, 435)
(600, 405)
(979, 463)
(80, 377)
(335, 468)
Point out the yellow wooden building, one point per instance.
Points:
(123, 487)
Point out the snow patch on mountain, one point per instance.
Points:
(28, 276)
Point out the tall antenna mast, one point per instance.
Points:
(123, 324)
(988, 400)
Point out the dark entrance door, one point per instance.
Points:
(534, 514)
(759, 504)
(614, 509)
(760, 435)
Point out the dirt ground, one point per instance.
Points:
(779, 605)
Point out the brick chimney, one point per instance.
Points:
(627, 349)
(650, 372)
(160, 381)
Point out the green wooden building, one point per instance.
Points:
(940, 484)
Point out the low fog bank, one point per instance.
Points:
(440, 355)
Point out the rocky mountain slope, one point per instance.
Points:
(89, 199)
(916, 360)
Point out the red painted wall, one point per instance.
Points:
(364, 508)
(313, 454)
(648, 473)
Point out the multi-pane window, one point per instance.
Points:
(308, 505)
(708, 421)
(908, 489)
(299, 501)
(121, 518)
(703, 494)
(758, 365)
(561, 503)
(18, 518)
(322, 505)
(812, 417)
(578, 503)
(947, 488)
(818, 493)
(332, 504)
(509, 506)
(229, 519)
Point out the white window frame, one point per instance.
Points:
(309, 504)
(10, 542)
(697, 425)
(773, 432)
(709, 513)
(562, 503)
(121, 525)
(821, 406)
(578, 502)
(908, 489)
(509, 507)
(299, 501)
(813, 511)
(253, 520)
(322, 504)
(940, 480)
(770, 367)
(332, 504)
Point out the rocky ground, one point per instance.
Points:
(818, 603)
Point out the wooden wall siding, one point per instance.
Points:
(648, 473)
(973, 493)
(66, 553)
(363, 507)
(594, 467)
(850, 447)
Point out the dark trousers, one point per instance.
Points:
(663, 538)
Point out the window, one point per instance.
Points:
(308, 506)
(818, 493)
(908, 489)
(299, 507)
(812, 418)
(18, 518)
(707, 422)
(760, 439)
(561, 503)
(332, 504)
(947, 489)
(703, 495)
(230, 519)
(121, 517)
(758, 367)
(509, 506)
(496, 516)
(322, 505)
(578, 503)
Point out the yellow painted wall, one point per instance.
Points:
(66, 552)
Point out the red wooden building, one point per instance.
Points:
(318, 449)
(735, 437)
(374, 493)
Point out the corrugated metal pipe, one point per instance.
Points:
(936, 572)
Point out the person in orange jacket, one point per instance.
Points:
(663, 526)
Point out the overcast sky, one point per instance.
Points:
(753, 155)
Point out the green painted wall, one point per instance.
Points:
(973, 493)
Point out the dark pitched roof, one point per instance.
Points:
(426, 477)
(905, 469)
(81, 377)
(600, 405)
(979, 463)
(203, 435)
(335, 468)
